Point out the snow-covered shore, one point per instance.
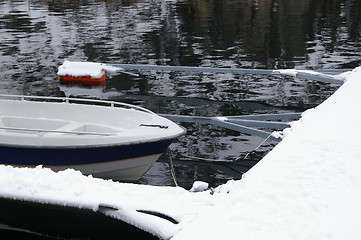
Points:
(307, 187)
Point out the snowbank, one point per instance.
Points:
(307, 187)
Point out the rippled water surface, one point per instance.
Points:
(37, 36)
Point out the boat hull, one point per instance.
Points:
(103, 138)
(118, 162)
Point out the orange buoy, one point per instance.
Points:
(83, 80)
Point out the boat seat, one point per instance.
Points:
(32, 123)
(86, 127)
(71, 126)
(11, 123)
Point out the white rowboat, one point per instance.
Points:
(102, 138)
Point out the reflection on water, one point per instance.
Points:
(36, 37)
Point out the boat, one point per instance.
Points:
(105, 139)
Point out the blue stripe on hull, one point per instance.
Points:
(58, 156)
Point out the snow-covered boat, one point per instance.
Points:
(102, 138)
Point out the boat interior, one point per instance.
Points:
(29, 125)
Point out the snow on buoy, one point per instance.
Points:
(84, 73)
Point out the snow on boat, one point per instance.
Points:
(105, 139)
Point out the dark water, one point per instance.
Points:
(36, 37)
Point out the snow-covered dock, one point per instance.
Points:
(307, 187)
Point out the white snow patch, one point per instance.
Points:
(293, 73)
(223, 119)
(81, 69)
(199, 186)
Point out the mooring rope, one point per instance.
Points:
(172, 168)
(200, 158)
(255, 149)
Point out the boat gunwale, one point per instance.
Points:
(71, 100)
(102, 145)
